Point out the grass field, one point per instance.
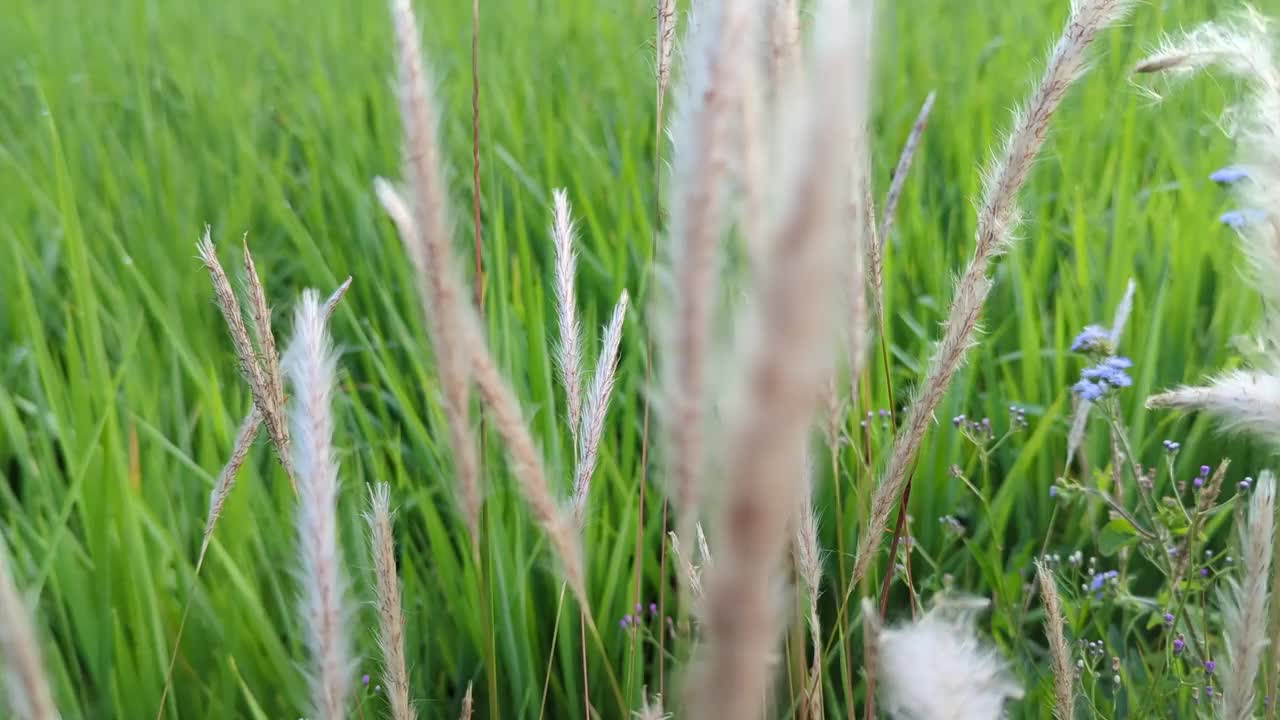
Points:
(126, 126)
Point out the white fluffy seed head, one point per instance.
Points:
(326, 610)
(1240, 400)
(938, 669)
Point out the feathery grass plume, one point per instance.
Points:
(787, 353)
(569, 350)
(808, 562)
(390, 615)
(426, 231)
(467, 705)
(597, 404)
(708, 97)
(269, 403)
(311, 366)
(1080, 419)
(249, 428)
(260, 312)
(26, 685)
(1245, 400)
(1059, 651)
(252, 422)
(693, 572)
(666, 44)
(938, 668)
(226, 479)
(1244, 603)
(889, 213)
(998, 217)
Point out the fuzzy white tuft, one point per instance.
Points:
(938, 669)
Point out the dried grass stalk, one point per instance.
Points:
(426, 231)
(390, 614)
(467, 705)
(1059, 651)
(709, 95)
(787, 357)
(903, 169)
(269, 402)
(998, 217)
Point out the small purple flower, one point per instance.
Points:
(639, 609)
(1168, 618)
(957, 420)
(1209, 666)
(1208, 691)
(1178, 645)
(1205, 470)
(1087, 390)
(1094, 338)
(653, 609)
(1228, 175)
(1111, 372)
(625, 622)
(884, 413)
(364, 680)
(1204, 572)
(1053, 491)
(1198, 482)
(1237, 219)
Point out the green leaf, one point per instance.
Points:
(1116, 534)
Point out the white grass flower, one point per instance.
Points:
(1244, 603)
(569, 350)
(596, 406)
(325, 607)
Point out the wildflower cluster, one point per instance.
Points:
(1096, 381)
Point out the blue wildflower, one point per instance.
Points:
(1239, 218)
(1094, 338)
(1109, 374)
(1228, 175)
(1087, 390)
